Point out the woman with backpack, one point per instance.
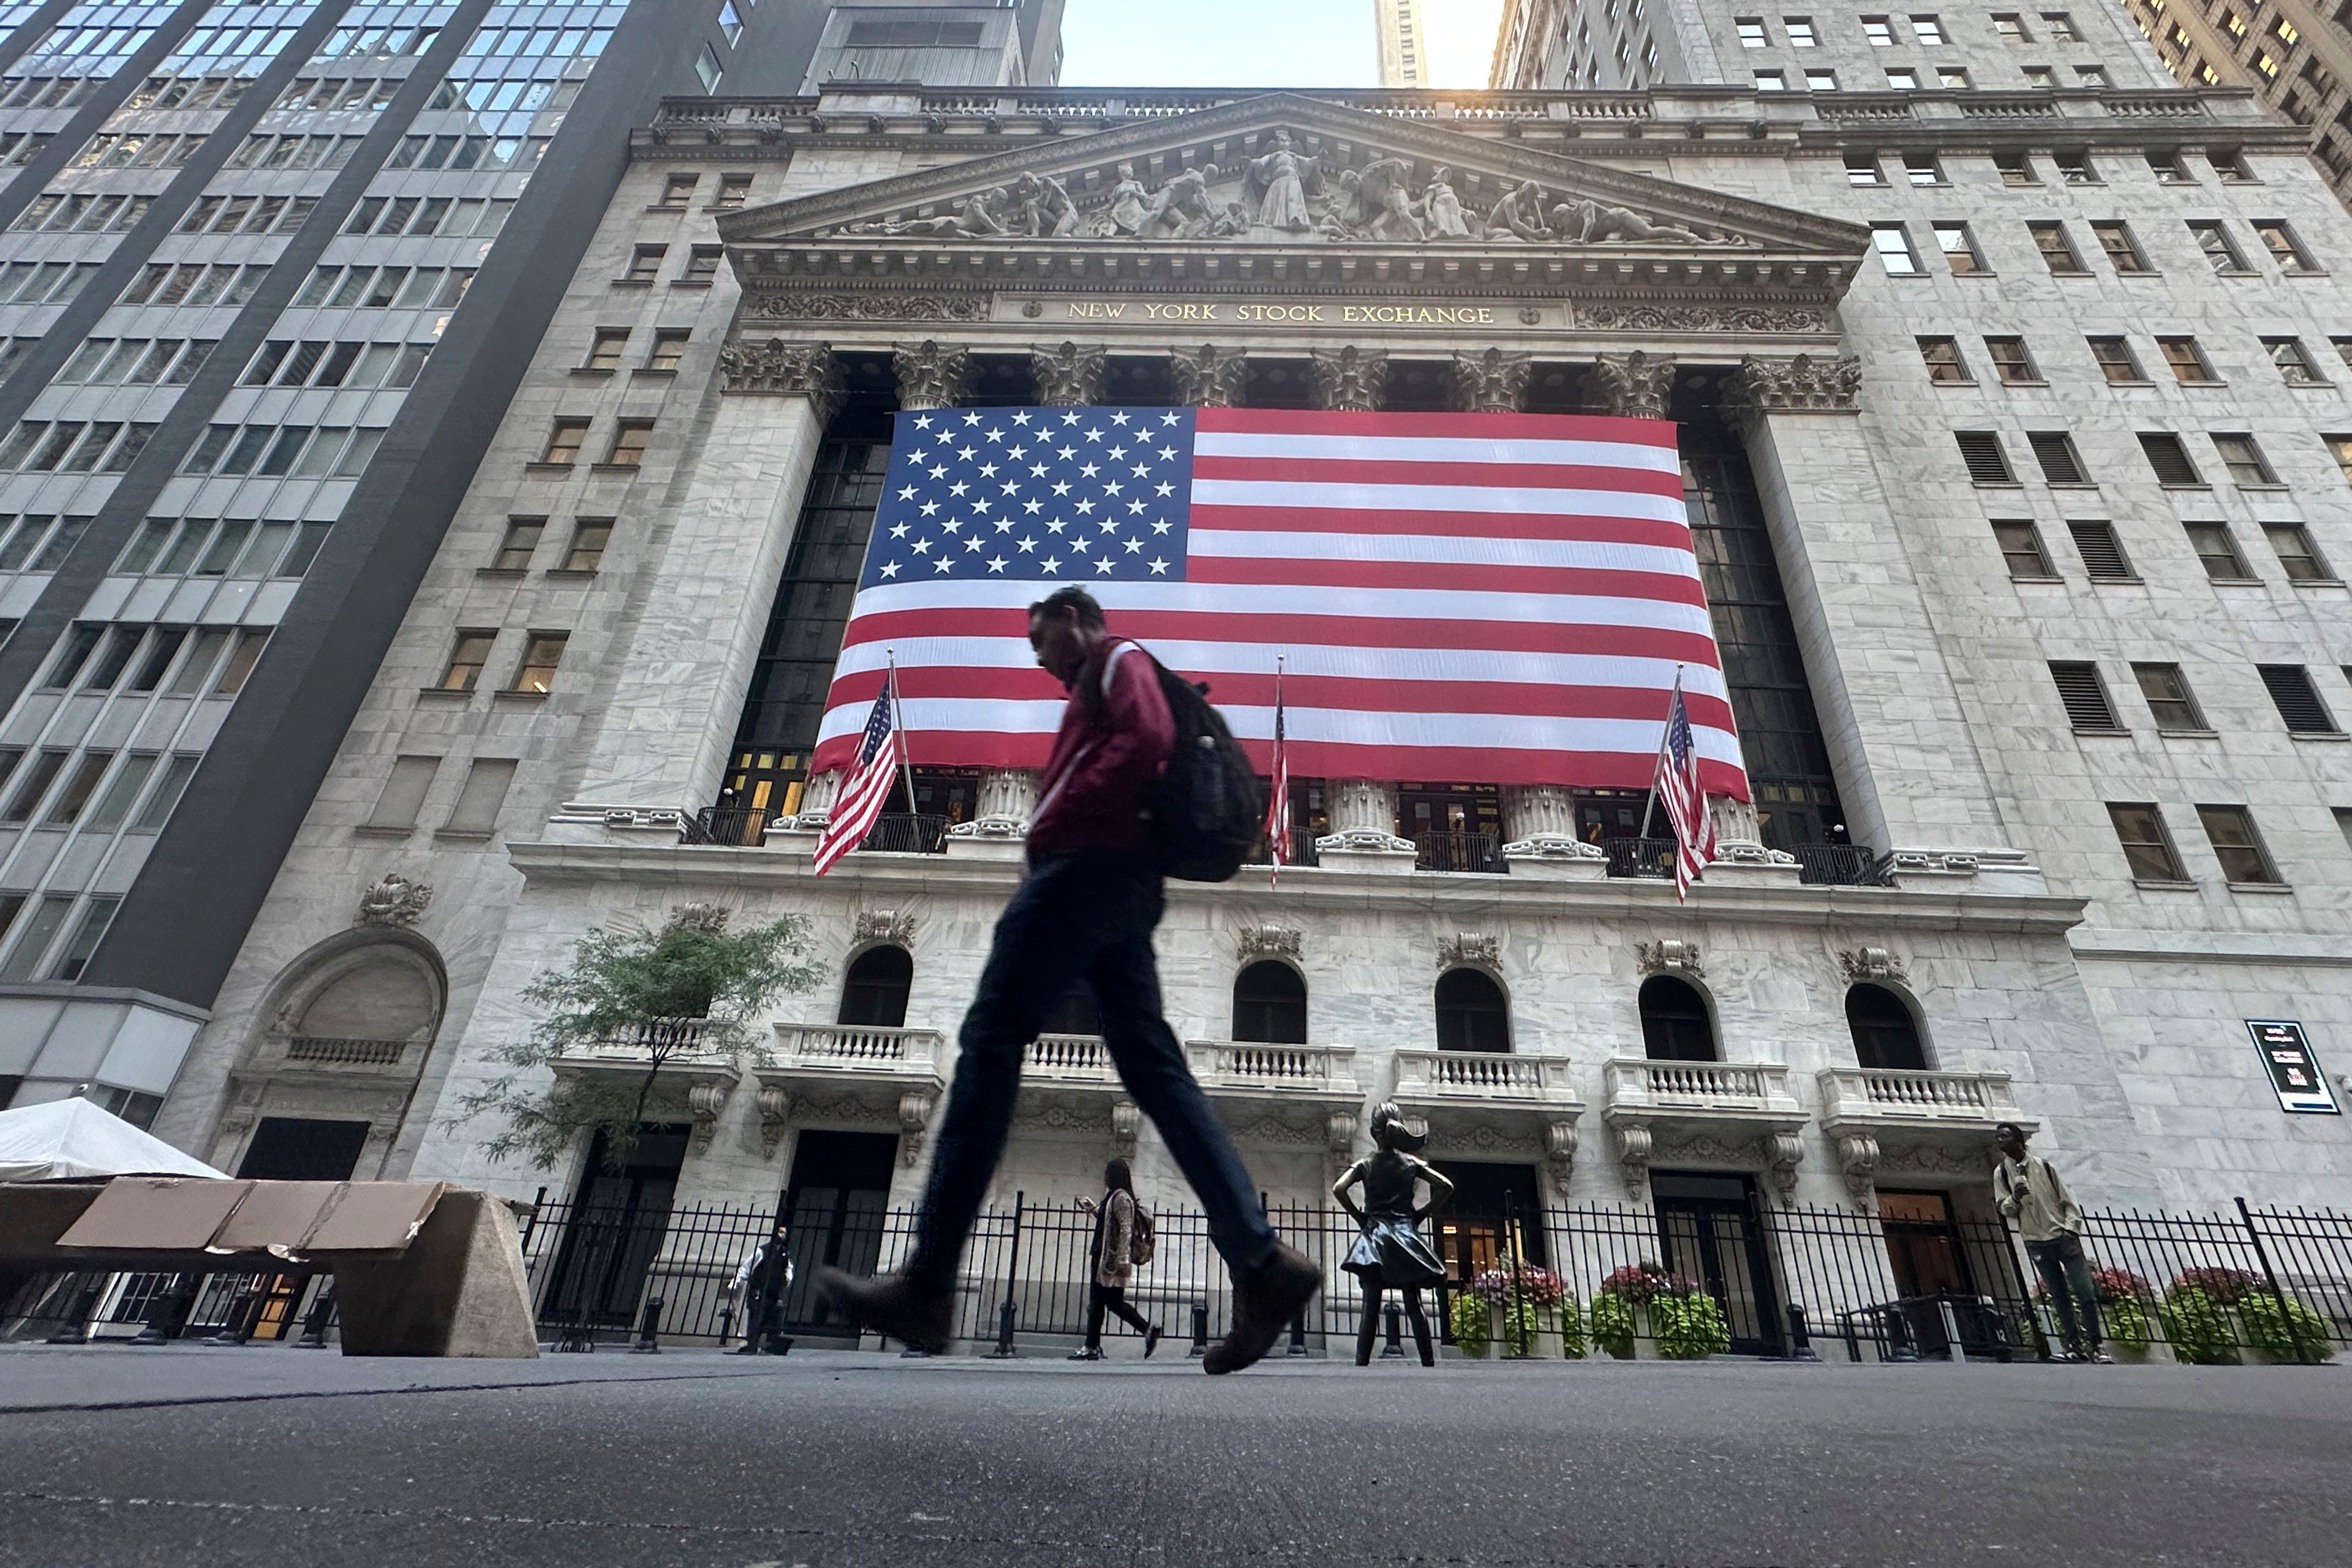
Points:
(1122, 1239)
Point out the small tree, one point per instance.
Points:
(691, 986)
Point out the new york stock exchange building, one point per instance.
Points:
(2017, 497)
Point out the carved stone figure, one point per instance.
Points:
(1179, 209)
(1383, 206)
(1519, 216)
(1444, 208)
(1277, 186)
(1129, 202)
(395, 901)
(1042, 207)
(1585, 222)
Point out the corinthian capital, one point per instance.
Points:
(1490, 382)
(784, 369)
(1800, 383)
(1069, 376)
(1209, 376)
(1638, 385)
(931, 375)
(1350, 379)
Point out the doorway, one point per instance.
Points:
(838, 1201)
(299, 1148)
(1710, 1224)
(1496, 1212)
(618, 1220)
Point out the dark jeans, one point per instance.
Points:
(1085, 916)
(2066, 1275)
(1113, 1299)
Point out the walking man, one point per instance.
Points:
(759, 1287)
(1114, 1255)
(1084, 913)
(2046, 1216)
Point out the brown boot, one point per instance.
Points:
(1263, 1307)
(919, 1317)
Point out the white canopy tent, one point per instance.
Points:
(68, 1138)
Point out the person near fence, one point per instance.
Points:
(760, 1285)
(1121, 1242)
(1084, 914)
(2051, 1223)
(1391, 1254)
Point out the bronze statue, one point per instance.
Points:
(1391, 1251)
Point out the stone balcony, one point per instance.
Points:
(851, 1071)
(1897, 1119)
(1490, 1105)
(690, 1074)
(338, 1057)
(1734, 1113)
(1297, 1095)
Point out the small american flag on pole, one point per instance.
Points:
(867, 788)
(1686, 801)
(1277, 805)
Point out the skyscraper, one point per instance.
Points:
(1403, 43)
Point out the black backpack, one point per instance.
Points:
(1206, 809)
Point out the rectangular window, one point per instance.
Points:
(2123, 251)
(81, 783)
(669, 347)
(2021, 552)
(48, 917)
(33, 785)
(2061, 464)
(604, 351)
(2060, 25)
(1942, 356)
(96, 917)
(2010, 362)
(1821, 79)
(2238, 845)
(1922, 169)
(120, 794)
(2230, 165)
(2147, 846)
(563, 441)
(540, 654)
(2187, 362)
(590, 536)
(2169, 459)
(2011, 28)
(403, 792)
(2057, 250)
(1771, 81)
(2218, 248)
(1862, 170)
(678, 190)
(1927, 29)
(2102, 553)
(1894, 246)
(2291, 543)
(629, 438)
(2042, 76)
(1800, 32)
(166, 796)
(2016, 168)
(241, 661)
(1953, 79)
(2084, 696)
(2244, 459)
(2116, 360)
(1902, 79)
(521, 539)
(2295, 366)
(1752, 34)
(1958, 250)
(734, 190)
(2165, 164)
(484, 791)
(702, 263)
(1879, 31)
(2169, 701)
(645, 263)
(2285, 249)
(2297, 700)
(1986, 463)
(467, 657)
(2217, 551)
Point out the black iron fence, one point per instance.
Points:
(1459, 852)
(1842, 865)
(1640, 856)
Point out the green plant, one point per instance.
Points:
(690, 988)
(2295, 1333)
(1690, 1326)
(1612, 1323)
(1473, 1324)
(2197, 1328)
(2127, 1322)
(1571, 1329)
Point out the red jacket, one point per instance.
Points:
(1106, 755)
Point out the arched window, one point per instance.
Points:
(1473, 1014)
(874, 997)
(1885, 1035)
(1675, 1025)
(1075, 1014)
(1270, 1005)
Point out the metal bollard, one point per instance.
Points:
(1801, 1335)
(726, 1324)
(649, 1328)
(1200, 1330)
(168, 1313)
(77, 1325)
(1298, 1333)
(1954, 1350)
(242, 1314)
(315, 1321)
(1006, 1316)
(1394, 1349)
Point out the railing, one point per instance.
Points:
(1459, 852)
(1915, 1096)
(1241, 1064)
(1485, 1075)
(1841, 866)
(674, 1039)
(322, 1050)
(898, 832)
(852, 1047)
(742, 825)
(1081, 1059)
(1670, 1085)
(1640, 856)
(1302, 851)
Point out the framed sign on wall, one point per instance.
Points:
(2294, 1071)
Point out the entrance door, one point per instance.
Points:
(617, 1223)
(299, 1148)
(1497, 1211)
(1924, 1250)
(838, 1201)
(1708, 1224)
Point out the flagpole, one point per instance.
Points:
(899, 722)
(1664, 729)
(1273, 842)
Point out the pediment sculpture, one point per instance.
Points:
(1287, 196)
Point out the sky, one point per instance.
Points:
(1261, 43)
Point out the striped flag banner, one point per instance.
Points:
(1677, 784)
(1496, 598)
(867, 788)
(1277, 803)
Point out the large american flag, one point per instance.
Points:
(1497, 598)
(881, 751)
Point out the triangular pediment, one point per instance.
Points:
(1293, 171)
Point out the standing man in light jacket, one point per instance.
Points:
(1084, 912)
(2052, 1224)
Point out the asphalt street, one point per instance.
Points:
(193, 1456)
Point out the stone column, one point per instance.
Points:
(1067, 376)
(1908, 768)
(1490, 381)
(1350, 379)
(1209, 376)
(1007, 797)
(1540, 834)
(1364, 835)
(1638, 385)
(665, 712)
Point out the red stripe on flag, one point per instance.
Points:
(1439, 471)
(1475, 426)
(1456, 577)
